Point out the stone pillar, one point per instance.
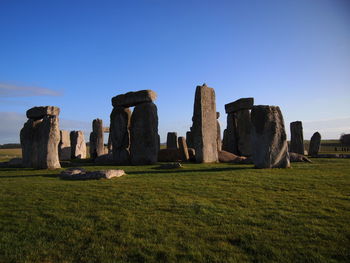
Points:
(64, 147)
(40, 137)
(204, 125)
(230, 141)
(296, 137)
(120, 136)
(78, 145)
(97, 147)
(269, 138)
(183, 149)
(171, 141)
(218, 132)
(315, 143)
(189, 139)
(144, 134)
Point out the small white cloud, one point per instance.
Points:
(8, 91)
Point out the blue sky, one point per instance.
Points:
(79, 54)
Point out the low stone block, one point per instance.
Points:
(40, 112)
(134, 98)
(241, 104)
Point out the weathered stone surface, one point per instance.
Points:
(227, 157)
(189, 139)
(144, 144)
(169, 155)
(315, 144)
(96, 139)
(269, 140)
(78, 145)
(134, 98)
(204, 128)
(171, 141)
(230, 139)
(296, 137)
(64, 147)
(81, 174)
(241, 104)
(120, 135)
(40, 112)
(243, 132)
(218, 136)
(192, 154)
(183, 149)
(39, 141)
(105, 159)
(92, 145)
(296, 157)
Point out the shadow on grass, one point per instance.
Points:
(184, 170)
(29, 176)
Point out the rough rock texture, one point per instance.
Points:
(134, 98)
(171, 141)
(192, 154)
(269, 140)
(40, 112)
(64, 147)
(189, 139)
(96, 139)
(230, 140)
(78, 145)
(92, 145)
(243, 132)
(296, 137)
(218, 136)
(315, 143)
(227, 157)
(81, 174)
(169, 155)
(204, 125)
(144, 142)
(120, 136)
(39, 141)
(105, 159)
(296, 157)
(183, 149)
(241, 104)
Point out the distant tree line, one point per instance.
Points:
(10, 146)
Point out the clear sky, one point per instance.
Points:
(79, 54)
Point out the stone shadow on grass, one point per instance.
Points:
(184, 170)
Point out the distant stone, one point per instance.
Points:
(296, 137)
(40, 112)
(134, 98)
(204, 128)
(81, 174)
(217, 115)
(171, 141)
(243, 132)
(315, 144)
(192, 154)
(230, 139)
(105, 159)
(296, 157)
(241, 104)
(189, 139)
(144, 138)
(218, 136)
(64, 146)
(78, 145)
(96, 139)
(169, 155)
(269, 138)
(183, 149)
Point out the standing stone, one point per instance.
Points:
(96, 139)
(78, 145)
(218, 132)
(189, 139)
(183, 149)
(120, 136)
(230, 140)
(109, 145)
(204, 125)
(64, 147)
(26, 138)
(297, 138)
(144, 144)
(269, 138)
(315, 143)
(171, 141)
(243, 123)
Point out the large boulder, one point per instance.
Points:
(315, 144)
(144, 138)
(78, 145)
(171, 141)
(40, 112)
(269, 140)
(64, 147)
(241, 104)
(134, 98)
(296, 137)
(204, 128)
(120, 135)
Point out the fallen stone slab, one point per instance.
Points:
(134, 98)
(82, 174)
(227, 157)
(241, 104)
(331, 155)
(40, 112)
(296, 157)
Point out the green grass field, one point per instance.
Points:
(201, 213)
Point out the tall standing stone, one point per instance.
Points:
(144, 144)
(230, 140)
(204, 125)
(183, 149)
(78, 145)
(64, 147)
(189, 139)
(40, 137)
(218, 132)
(243, 132)
(171, 141)
(315, 144)
(296, 137)
(269, 140)
(119, 133)
(96, 139)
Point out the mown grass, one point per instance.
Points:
(201, 213)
